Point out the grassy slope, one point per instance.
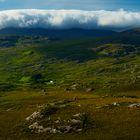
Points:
(111, 123)
(110, 68)
(86, 63)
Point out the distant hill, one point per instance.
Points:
(126, 37)
(56, 34)
(135, 31)
(109, 63)
(11, 36)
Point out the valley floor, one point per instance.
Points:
(113, 117)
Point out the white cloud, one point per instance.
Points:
(61, 19)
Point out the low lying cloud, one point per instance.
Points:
(65, 19)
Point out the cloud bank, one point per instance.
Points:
(66, 19)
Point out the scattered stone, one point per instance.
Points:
(47, 129)
(74, 121)
(63, 106)
(77, 115)
(78, 130)
(34, 125)
(54, 131)
(115, 104)
(57, 121)
(10, 109)
(74, 87)
(37, 128)
(63, 102)
(65, 129)
(68, 129)
(89, 89)
(71, 125)
(135, 105)
(35, 115)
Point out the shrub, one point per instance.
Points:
(48, 110)
(37, 78)
(86, 120)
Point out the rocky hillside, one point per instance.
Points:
(82, 64)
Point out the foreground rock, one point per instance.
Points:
(41, 121)
(71, 126)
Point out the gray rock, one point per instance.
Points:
(48, 129)
(37, 128)
(135, 105)
(89, 89)
(74, 121)
(57, 121)
(78, 130)
(68, 128)
(77, 115)
(35, 115)
(74, 87)
(54, 131)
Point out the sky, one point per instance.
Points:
(131, 5)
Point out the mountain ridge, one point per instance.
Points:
(73, 33)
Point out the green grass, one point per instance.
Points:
(110, 68)
(114, 123)
(68, 63)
